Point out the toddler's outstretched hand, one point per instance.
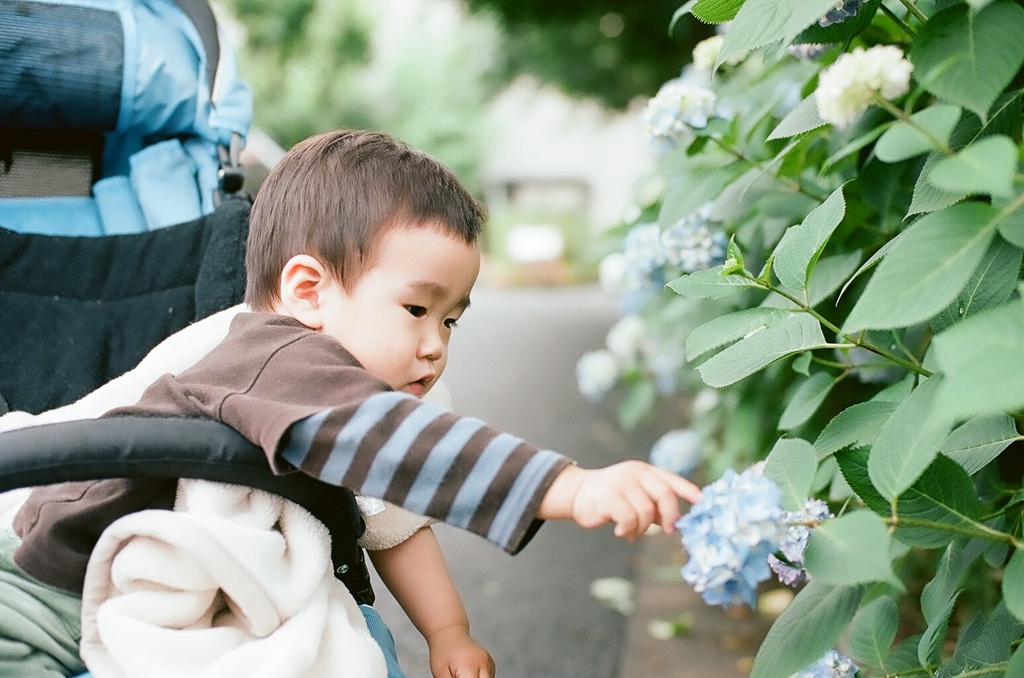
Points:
(630, 494)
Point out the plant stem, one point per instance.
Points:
(899, 113)
(911, 366)
(973, 530)
(898, 21)
(743, 157)
(912, 8)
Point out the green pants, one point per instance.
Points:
(40, 625)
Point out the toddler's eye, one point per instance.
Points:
(416, 311)
(451, 323)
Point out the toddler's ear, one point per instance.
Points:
(303, 279)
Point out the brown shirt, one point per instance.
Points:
(308, 404)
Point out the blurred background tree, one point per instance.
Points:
(426, 70)
(613, 50)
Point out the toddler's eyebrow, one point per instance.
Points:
(438, 291)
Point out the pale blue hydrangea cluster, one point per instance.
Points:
(678, 451)
(597, 372)
(681, 105)
(798, 531)
(652, 257)
(729, 534)
(831, 665)
(843, 10)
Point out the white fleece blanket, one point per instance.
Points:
(234, 582)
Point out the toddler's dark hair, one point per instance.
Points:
(333, 195)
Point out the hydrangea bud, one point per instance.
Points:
(678, 451)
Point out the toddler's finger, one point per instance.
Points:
(681, 486)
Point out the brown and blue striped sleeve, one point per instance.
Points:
(421, 457)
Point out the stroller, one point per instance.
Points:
(122, 222)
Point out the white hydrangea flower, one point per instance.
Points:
(596, 374)
(705, 53)
(625, 338)
(849, 85)
(677, 106)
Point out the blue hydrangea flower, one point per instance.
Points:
(831, 665)
(843, 10)
(596, 374)
(678, 107)
(644, 256)
(692, 244)
(678, 451)
(790, 570)
(729, 535)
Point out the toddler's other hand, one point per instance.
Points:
(454, 654)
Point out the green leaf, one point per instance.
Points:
(806, 400)
(979, 440)
(791, 464)
(857, 425)
(905, 140)
(907, 442)
(851, 549)
(981, 358)
(871, 262)
(808, 628)
(935, 635)
(795, 333)
(801, 245)
(990, 285)
(928, 197)
(725, 329)
(925, 269)
(873, 630)
(985, 167)
(984, 643)
(829, 273)
(949, 575)
(944, 495)
(853, 463)
(637, 404)
(716, 11)
(709, 284)
(1013, 584)
(1015, 667)
(1011, 227)
(763, 22)
(968, 58)
(803, 118)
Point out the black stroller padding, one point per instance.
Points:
(162, 447)
(77, 312)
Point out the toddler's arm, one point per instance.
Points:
(417, 576)
(631, 494)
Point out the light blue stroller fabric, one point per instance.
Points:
(162, 118)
